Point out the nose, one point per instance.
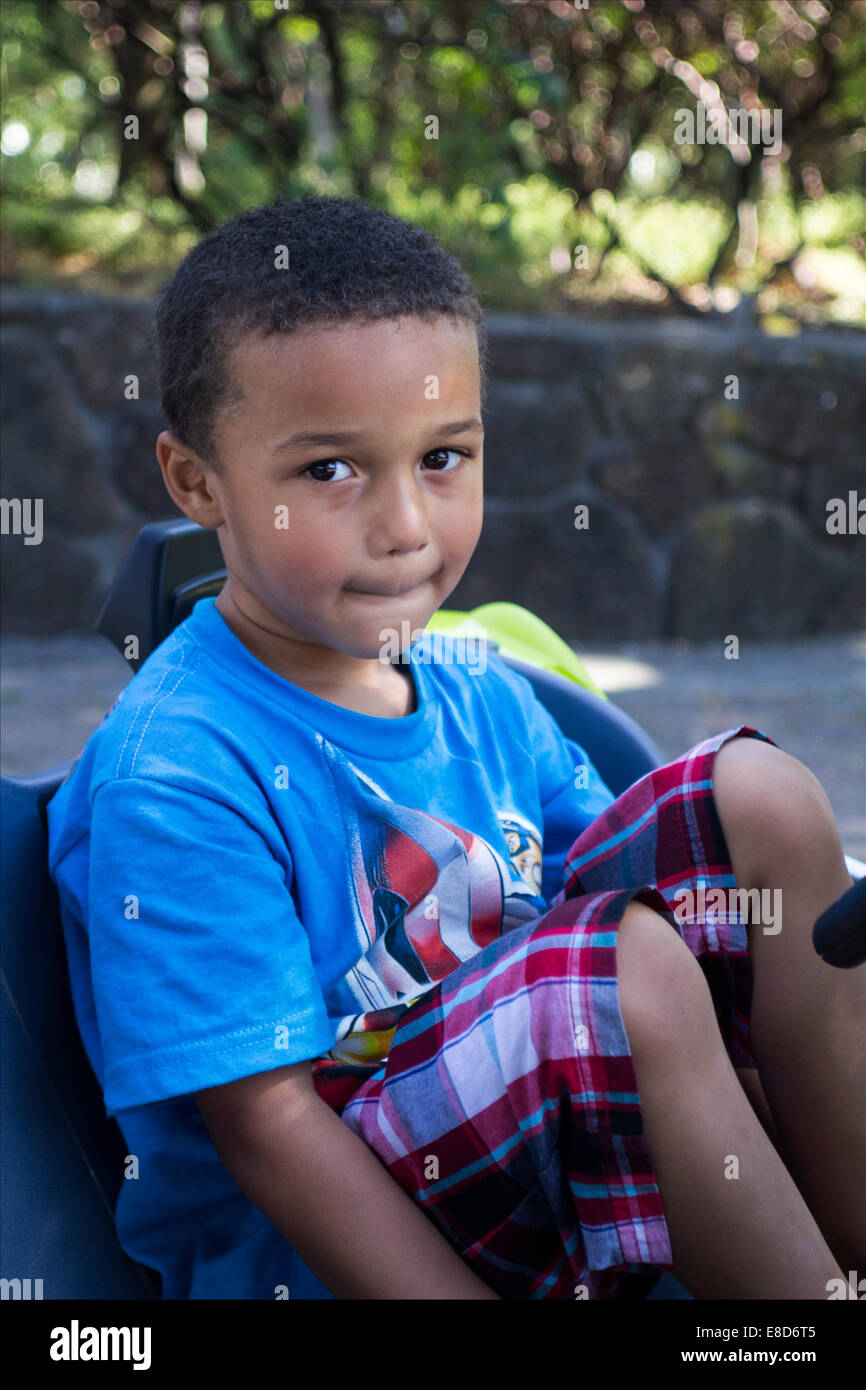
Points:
(400, 511)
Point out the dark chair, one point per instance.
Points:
(62, 1155)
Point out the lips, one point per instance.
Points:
(390, 593)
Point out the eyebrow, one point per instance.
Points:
(339, 437)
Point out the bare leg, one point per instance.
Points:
(750, 1080)
(808, 1028)
(748, 1236)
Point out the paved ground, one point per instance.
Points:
(808, 695)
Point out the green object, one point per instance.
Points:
(520, 635)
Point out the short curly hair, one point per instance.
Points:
(347, 262)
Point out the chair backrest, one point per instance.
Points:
(172, 564)
(62, 1156)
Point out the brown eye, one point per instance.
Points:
(461, 454)
(322, 463)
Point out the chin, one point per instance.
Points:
(392, 638)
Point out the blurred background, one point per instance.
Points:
(555, 126)
(676, 325)
(553, 129)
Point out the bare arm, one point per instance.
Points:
(327, 1192)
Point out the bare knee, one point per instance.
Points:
(664, 997)
(772, 808)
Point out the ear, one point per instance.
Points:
(189, 481)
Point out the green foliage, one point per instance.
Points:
(555, 131)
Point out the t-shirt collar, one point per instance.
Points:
(365, 734)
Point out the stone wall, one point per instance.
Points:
(706, 498)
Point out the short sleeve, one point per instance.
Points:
(569, 806)
(571, 790)
(201, 967)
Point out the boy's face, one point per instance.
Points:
(381, 524)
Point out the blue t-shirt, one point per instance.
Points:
(251, 876)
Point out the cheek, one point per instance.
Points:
(464, 526)
(309, 557)
(314, 557)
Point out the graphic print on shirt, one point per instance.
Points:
(427, 895)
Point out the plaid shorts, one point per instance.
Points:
(508, 1108)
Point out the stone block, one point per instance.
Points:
(47, 588)
(536, 436)
(661, 480)
(738, 471)
(104, 342)
(604, 583)
(796, 414)
(135, 468)
(52, 447)
(750, 568)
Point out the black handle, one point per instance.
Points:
(839, 935)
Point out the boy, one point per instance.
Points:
(338, 1013)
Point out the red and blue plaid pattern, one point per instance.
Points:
(508, 1108)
